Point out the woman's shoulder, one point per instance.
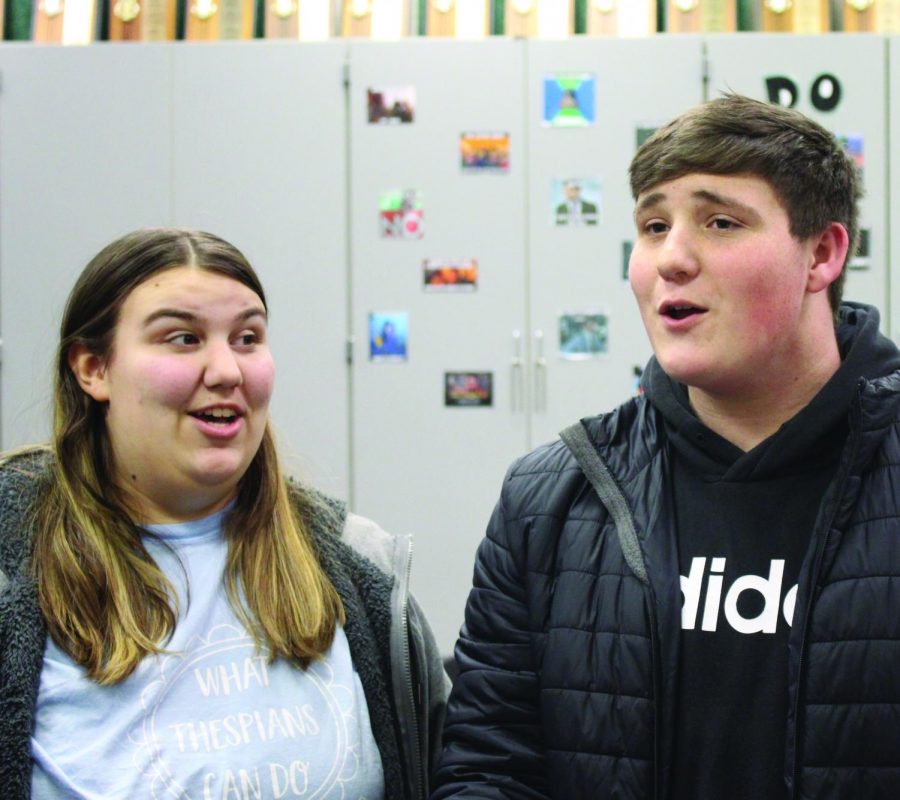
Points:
(21, 472)
(330, 523)
(370, 540)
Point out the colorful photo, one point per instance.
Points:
(441, 275)
(484, 152)
(569, 100)
(862, 259)
(391, 105)
(470, 389)
(387, 335)
(576, 201)
(583, 335)
(401, 215)
(853, 144)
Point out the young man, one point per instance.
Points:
(696, 596)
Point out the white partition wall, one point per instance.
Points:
(421, 467)
(893, 199)
(838, 80)
(259, 157)
(248, 142)
(581, 268)
(85, 149)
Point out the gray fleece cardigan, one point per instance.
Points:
(392, 647)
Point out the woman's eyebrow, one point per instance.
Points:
(190, 316)
(175, 313)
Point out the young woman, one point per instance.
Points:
(176, 618)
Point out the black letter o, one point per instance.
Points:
(826, 92)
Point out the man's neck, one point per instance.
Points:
(747, 418)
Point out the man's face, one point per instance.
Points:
(573, 191)
(720, 282)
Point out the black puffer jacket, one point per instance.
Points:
(568, 658)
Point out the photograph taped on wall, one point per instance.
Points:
(468, 389)
(642, 133)
(583, 334)
(862, 260)
(576, 201)
(391, 105)
(627, 247)
(853, 144)
(401, 214)
(637, 372)
(450, 276)
(388, 332)
(569, 100)
(484, 151)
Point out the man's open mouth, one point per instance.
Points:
(681, 312)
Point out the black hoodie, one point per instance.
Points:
(744, 525)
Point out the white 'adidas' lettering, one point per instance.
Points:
(769, 588)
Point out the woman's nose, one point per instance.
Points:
(222, 367)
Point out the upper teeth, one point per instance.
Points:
(219, 412)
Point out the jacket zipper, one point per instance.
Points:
(814, 579)
(417, 765)
(654, 646)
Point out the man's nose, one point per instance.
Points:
(678, 257)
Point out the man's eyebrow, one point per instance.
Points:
(190, 316)
(724, 200)
(653, 199)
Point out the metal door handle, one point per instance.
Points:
(517, 387)
(540, 372)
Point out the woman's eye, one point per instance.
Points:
(248, 339)
(183, 339)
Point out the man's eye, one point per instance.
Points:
(723, 224)
(656, 227)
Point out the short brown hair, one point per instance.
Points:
(815, 179)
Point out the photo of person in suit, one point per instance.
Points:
(576, 202)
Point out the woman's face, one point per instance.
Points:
(187, 388)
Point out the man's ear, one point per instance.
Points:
(828, 255)
(90, 371)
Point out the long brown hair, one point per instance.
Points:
(105, 601)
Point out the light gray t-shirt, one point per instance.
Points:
(211, 720)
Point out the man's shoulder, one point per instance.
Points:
(550, 459)
(551, 470)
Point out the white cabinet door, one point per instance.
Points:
(260, 159)
(86, 150)
(579, 282)
(804, 68)
(893, 199)
(420, 466)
